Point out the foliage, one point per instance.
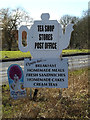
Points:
(11, 20)
(79, 37)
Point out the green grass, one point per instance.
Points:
(19, 54)
(78, 71)
(75, 51)
(13, 54)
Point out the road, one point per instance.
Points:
(74, 62)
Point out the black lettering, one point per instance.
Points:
(31, 75)
(57, 70)
(52, 84)
(45, 37)
(50, 45)
(40, 28)
(39, 45)
(40, 84)
(49, 28)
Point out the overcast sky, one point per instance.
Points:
(56, 8)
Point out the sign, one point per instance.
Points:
(45, 39)
(46, 73)
(16, 83)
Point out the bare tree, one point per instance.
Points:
(11, 20)
(67, 19)
(79, 37)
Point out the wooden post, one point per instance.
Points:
(60, 92)
(30, 93)
(35, 94)
(30, 88)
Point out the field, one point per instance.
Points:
(72, 103)
(19, 54)
(13, 54)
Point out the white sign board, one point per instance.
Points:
(46, 73)
(45, 39)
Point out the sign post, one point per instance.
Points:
(45, 41)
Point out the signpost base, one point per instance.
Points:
(60, 93)
(35, 94)
(30, 93)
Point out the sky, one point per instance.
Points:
(56, 8)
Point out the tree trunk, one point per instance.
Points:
(9, 49)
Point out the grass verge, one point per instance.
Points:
(72, 104)
(13, 54)
(19, 54)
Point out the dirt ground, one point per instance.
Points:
(55, 103)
